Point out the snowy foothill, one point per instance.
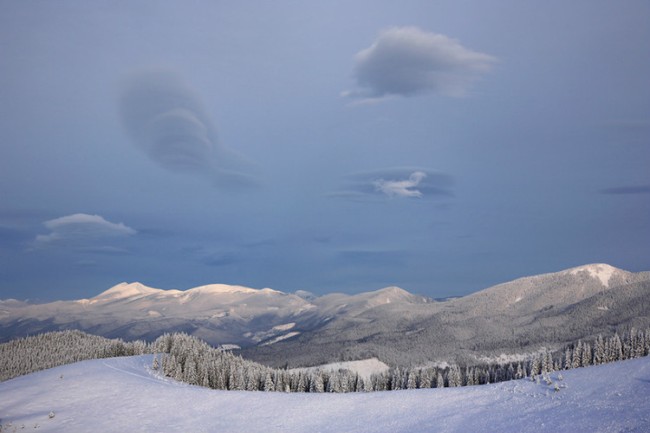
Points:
(364, 367)
(123, 394)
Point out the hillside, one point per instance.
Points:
(548, 310)
(391, 324)
(122, 394)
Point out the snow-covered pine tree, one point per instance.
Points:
(616, 349)
(316, 382)
(568, 356)
(586, 355)
(599, 350)
(302, 383)
(156, 364)
(268, 382)
(510, 372)
(396, 380)
(412, 381)
(576, 356)
(534, 367)
(520, 374)
(440, 380)
(454, 376)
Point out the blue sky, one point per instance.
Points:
(325, 146)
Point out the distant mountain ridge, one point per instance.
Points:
(391, 324)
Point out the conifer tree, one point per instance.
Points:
(440, 381)
(599, 350)
(268, 382)
(412, 382)
(454, 377)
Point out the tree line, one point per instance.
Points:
(51, 349)
(190, 360)
(186, 358)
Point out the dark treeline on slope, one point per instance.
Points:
(51, 349)
(188, 359)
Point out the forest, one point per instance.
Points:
(188, 359)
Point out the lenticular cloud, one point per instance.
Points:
(169, 123)
(81, 228)
(407, 61)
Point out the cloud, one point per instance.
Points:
(401, 188)
(395, 182)
(406, 61)
(79, 229)
(627, 190)
(167, 121)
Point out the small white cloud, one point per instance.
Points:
(418, 182)
(81, 228)
(401, 188)
(406, 61)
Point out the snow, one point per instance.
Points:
(601, 271)
(281, 337)
(121, 394)
(125, 290)
(220, 288)
(510, 358)
(284, 327)
(272, 334)
(268, 291)
(364, 367)
(229, 346)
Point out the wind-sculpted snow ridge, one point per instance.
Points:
(124, 394)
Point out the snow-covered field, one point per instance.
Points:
(122, 395)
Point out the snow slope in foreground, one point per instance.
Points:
(122, 395)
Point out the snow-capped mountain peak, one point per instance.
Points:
(126, 290)
(600, 271)
(220, 289)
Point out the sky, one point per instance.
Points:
(439, 146)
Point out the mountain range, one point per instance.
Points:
(301, 329)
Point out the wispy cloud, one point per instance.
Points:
(167, 120)
(81, 229)
(625, 190)
(407, 61)
(395, 182)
